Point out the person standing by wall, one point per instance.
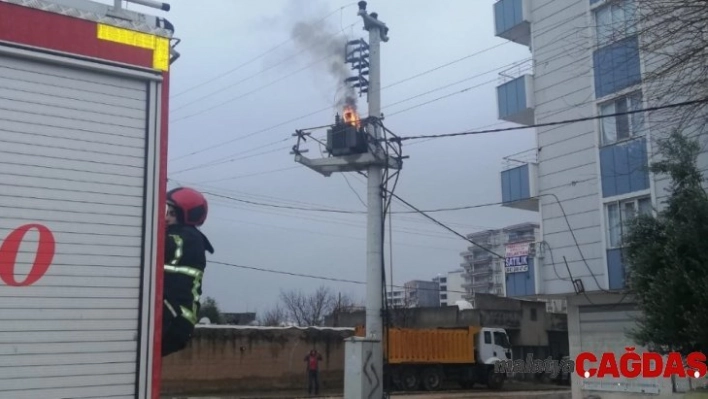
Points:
(313, 368)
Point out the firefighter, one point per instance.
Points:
(185, 261)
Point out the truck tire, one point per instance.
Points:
(432, 379)
(410, 380)
(495, 380)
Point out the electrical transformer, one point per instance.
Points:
(346, 139)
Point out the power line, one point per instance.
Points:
(395, 83)
(329, 107)
(444, 65)
(314, 276)
(232, 99)
(347, 211)
(326, 219)
(235, 157)
(563, 122)
(425, 213)
(265, 172)
(230, 71)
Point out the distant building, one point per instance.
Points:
(396, 298)
(239, 319)
(420, 293)
(415, 294)
(451, 289)
(484, 272)
(511, 274)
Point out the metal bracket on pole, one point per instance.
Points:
(372, 21)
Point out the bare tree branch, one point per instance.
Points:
(274, 317)
(310, 310)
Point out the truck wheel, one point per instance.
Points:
(495, 380)
(410, 380)
(432, 379)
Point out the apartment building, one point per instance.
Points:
(451, 287)
(499, 264)
(484, 272)
(587, 177)
(415, 294)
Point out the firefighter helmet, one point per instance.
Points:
(190, 204)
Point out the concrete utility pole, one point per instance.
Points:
(364, 374)
(369, 382)
(374, 279)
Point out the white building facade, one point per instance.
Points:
(583, 178)
(451, 287)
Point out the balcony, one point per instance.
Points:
(481, 272)
(515, 94)
(519, 179)
(512, 21)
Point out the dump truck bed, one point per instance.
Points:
(429, 346)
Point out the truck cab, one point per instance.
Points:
(492, 345)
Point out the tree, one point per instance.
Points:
(402, 314)
(673, 39)
(310, 310)
(210, 309)
(274, 317)
(667, 257)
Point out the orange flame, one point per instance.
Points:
(351, 117)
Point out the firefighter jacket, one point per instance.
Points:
(185, 261)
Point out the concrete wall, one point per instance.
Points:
(241, 359)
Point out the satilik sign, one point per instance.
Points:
(517, 257)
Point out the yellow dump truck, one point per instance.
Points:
(424, 358)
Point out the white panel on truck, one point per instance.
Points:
(75, 160)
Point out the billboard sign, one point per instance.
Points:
(517, 257)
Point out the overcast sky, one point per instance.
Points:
(218, 37)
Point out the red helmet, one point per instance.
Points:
(191, 206)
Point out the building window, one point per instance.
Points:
(443, 296)
(615, 21)
(621, 127)
(534, 316)
(443, 288)
(619, 213)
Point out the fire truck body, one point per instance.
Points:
(83, 139)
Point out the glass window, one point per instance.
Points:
(616, 21)
(645, 207)
(487, 337)
(614, 227)
(620, 213)
(501, 339)
(621, 127)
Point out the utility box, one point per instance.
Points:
(361, 378)
(344, 139)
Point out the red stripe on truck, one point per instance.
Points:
(52, 31)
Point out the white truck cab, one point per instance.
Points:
(493, 345)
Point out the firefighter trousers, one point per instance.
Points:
(176, 330)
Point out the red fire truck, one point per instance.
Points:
(83, 151)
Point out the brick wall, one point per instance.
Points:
(240, 359)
